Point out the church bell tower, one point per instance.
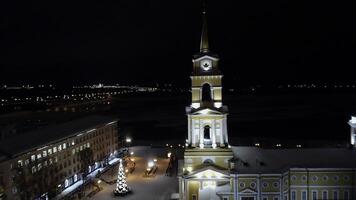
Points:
(206, 115)
(206, 167)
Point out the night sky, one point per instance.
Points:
(137, 41)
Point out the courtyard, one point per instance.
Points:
(157, 186)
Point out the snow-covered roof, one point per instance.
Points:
(259, 160)
(52, 133)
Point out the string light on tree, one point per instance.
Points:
(121, 185)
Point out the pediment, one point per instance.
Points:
(206, 111)
(248, 191)
(209, 172)
(205, 57)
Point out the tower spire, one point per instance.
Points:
(204, 42)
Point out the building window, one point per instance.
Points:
(304, 178)
(33, 169)
(346, 195)
(325, 195)
(325, 178)
(194, 197)
(314, 195)
(60, 148)
(66, 183)
(54, 149)
(49, 151)
(27, 161)
(315, 178)
(264, 198)
(206, 93)
(275, 198)
(19, 163)
(33, 158)
(294, 195)
(225, 198)
(304, 195)
(253, 185)
(335, 195)
(44, 153)
(275, 184)
(336, 178)
(39, 156)
(264, 184)
(64, 145)
(242, 185)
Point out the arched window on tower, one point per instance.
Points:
(207, 132)
(206, 92)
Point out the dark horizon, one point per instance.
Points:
(146, 42)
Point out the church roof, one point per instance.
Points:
(259, 160)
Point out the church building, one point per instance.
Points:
(214, 170)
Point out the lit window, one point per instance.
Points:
(64, 145)
(39, 156)
(33, 169)
(54, 149)
(19, 163)
(44, 153)
(27, 161)
(88, 145)
(39, 166)
(73, 143)
(60, 148)
(73, 151)
(49, 151)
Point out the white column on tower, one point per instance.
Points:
(225, 130)
(213, 132)
(221, 131)
(201, 134)
(190, 132)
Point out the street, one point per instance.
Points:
(156, 187)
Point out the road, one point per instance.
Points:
(159, 187)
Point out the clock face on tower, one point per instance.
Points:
(205, 65)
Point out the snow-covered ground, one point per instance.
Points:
(159, 187)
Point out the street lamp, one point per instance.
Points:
(150, 164)
(128, 140)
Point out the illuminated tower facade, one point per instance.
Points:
(206, 115)
(205, 172)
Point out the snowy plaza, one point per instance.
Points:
(155, 187)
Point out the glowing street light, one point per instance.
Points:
(150, 164)
(128, 140)
(169, 154)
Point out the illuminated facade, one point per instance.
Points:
(212, 170)
(44, 162)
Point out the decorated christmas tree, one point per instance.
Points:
(121, 185)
